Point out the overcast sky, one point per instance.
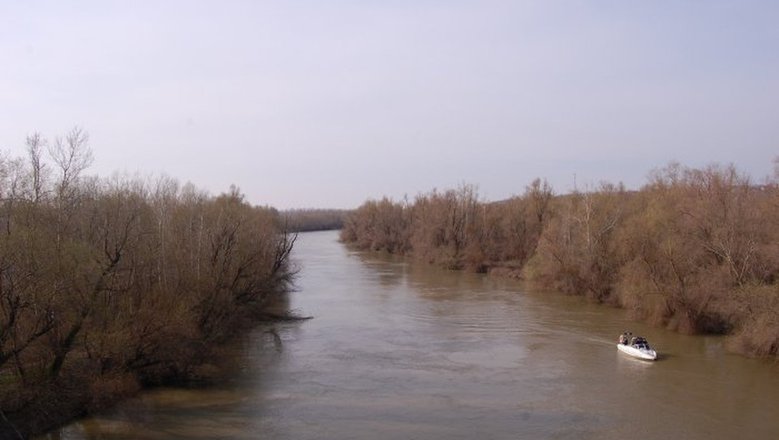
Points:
(328, 103)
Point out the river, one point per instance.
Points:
(405, 351)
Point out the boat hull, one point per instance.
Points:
(647, 355)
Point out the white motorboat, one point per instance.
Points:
(636, 346)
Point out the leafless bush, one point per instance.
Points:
(108, 282)
(690, 250)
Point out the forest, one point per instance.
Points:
(307, 220)
(108, 285)
(694, 250)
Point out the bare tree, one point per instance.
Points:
(72, 155)
(35, 145)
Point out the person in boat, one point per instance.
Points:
(623, 338)
(639, 342)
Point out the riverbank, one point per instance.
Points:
(694, 250)
(45, 407)
(111, 285)
(405, 350)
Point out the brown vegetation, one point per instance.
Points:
(453, 228)
(696, 250)
(106, 285)
(306, 220)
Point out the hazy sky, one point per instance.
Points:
(328, 103)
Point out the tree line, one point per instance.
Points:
(696, 250)
(109, 284)
(307, 220)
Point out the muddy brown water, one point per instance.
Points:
(404, 351)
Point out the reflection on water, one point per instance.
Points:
(407, 351)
